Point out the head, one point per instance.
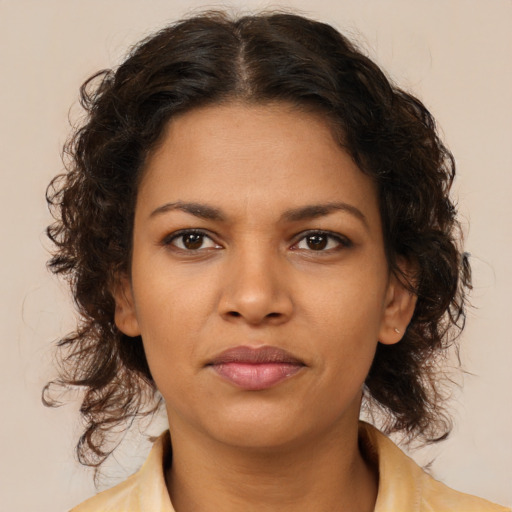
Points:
(274, 64)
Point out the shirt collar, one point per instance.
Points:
(398, 474)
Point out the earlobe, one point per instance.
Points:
(399, 309)
(125, 315)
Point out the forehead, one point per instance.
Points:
(269, 156)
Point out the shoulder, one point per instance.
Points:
(436, 496)
(143, 491)
(403, 485)
(120, 498)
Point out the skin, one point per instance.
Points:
(255, 279)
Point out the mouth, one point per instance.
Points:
(255, 369)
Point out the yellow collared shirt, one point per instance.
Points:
(403, 485)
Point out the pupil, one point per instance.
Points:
(317, 242)
(193, 241)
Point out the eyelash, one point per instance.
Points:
(169, 239)
(342, 241)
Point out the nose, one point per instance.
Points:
(256, 290)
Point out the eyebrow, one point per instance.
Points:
(320, 210)
(198, 209)
(307, 212)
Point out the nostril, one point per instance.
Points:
(269, 315)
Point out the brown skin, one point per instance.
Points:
(256, 280)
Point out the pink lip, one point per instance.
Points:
(256, 368)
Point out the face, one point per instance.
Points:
(259, 282)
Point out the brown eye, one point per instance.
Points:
(322, 241)
(317, 242)
(191, 241)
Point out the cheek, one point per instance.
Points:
(173, 314)
(170, 300)
(343, 319)
(351, 303)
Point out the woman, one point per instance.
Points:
(257, 229)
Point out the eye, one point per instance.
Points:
(321, 241)
(190, 240)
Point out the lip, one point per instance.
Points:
(256, 369)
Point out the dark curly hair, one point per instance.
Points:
(210, 59)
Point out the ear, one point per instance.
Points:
(398, 308)
(125, 315)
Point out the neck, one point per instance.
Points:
(330, 475)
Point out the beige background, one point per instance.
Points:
(455, 54)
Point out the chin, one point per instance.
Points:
(260, 437)
(269, 427)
